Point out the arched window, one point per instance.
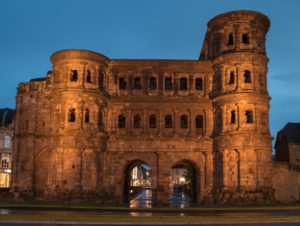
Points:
(152, 85)
(183, 84)
(101, 79)
(245, 38)
(137, 121)
(74, 75)
(168, 84)
(168, 121)
(199, 122)
(88, 77)
(137, 83)
(230, 40)
(71, 115)
(198, 83)
(231, 79)
(86, 116)
(100, 120)
(121, 121)
(249, 116)
(247, 76)
(6, 141)
(183, 121)
(232, 118)
(152, 121)
(122, 84)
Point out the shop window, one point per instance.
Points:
(122, 84)
(152, 121)
(199, 122)
(198, 83)
(168, 121)
(121, 121)
(153, 83)
(168, 84)
(183, 84)
(137, 121)
(71, 115)
(183, 121)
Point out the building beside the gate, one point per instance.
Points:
(6, 135)
(81, 129)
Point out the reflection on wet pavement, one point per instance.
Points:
(142, 200)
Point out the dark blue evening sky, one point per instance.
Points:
(151, 29)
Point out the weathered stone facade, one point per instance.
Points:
(79, 130)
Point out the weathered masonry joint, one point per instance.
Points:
(81, 130)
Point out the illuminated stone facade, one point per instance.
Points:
(80, 130)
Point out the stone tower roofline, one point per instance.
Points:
(240, 15)
(77, 54)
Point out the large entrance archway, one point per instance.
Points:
(183, 184)
(138, 185)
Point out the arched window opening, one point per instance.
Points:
(168, 84)
(199, 122)
(249, 116)
(245, 38)
(101, 79)
(168, 121)
(232, 119)
(71, 115)
(86, 116)
(152, 83)
(6, 141)
(122, 84)
(74, 75)
(198, 83)
(88, 77)
(137, 83)
(152, 121)
(230, 40)
(183, 121)
(100, 120)
(231, 79)
(121, 121)
(247, 76)
(183, 84)
(137, 121)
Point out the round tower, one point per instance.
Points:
(235, 43)
(77, 101)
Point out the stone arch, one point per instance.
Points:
(194, 185)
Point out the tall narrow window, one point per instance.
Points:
(199, 122)
(74, 75)
(249, 116)
(71, 115)
(137, 83)
(122, 84)
(245, 38)
(101, 79)
(121, 121)
(168, 84)
(168, 121)
(152, 121)
(152, 83)
(230, 40)
(88, 77)
(198, 84)
(86, 116)
(247, 76)
(183, 84)
(231, 79)
(232, 119)
(137, 121)
(6, 141)
(183, 121)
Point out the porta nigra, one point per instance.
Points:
(81, 130)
